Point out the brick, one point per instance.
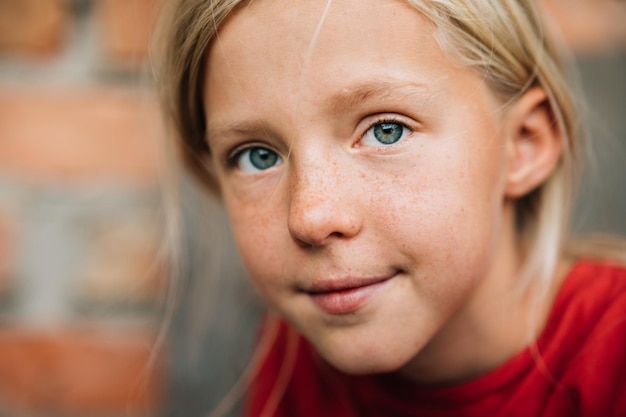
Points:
(588, 26)
(79, 372)
(7, 246)
(93, 135)
(33, 26)
(124, 263)
(125, 27)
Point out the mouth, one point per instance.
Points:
(346, 295)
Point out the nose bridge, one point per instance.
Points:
(319, 198)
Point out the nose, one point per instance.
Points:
(322, 206)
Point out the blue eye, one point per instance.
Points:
(385, 133)
(257, 159)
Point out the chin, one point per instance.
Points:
(354, 362)
(367, 366)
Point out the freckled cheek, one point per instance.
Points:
(260, 240)
(437, 208)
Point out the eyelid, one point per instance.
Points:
(235, 152)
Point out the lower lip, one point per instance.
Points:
(345, 301)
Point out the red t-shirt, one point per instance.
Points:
(581, 372)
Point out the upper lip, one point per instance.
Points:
(343, 284)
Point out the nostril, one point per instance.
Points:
(336, 234)
(303, 244)
(321, 233)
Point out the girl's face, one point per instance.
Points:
(363, 170)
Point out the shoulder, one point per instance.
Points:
(587, 341)
(593, 288)
(591, 303)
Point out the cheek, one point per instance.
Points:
(258, 233)
(449, 204)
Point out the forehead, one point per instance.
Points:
(309, 51)
(273, 37)
(308, 22)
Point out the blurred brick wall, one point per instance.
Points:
(33, 26)
(589, 27)
(81, 280)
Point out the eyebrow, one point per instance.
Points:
(239, 127)
(379, 90)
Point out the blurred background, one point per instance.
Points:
(83, 278)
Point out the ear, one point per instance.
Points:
(535, 143)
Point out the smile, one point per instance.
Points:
(345, 295)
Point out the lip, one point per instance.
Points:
(346, 295)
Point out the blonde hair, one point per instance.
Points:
(502, 40)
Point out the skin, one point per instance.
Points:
(431, 214)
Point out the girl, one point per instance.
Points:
(397, 175)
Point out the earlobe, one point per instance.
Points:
(535, 143)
